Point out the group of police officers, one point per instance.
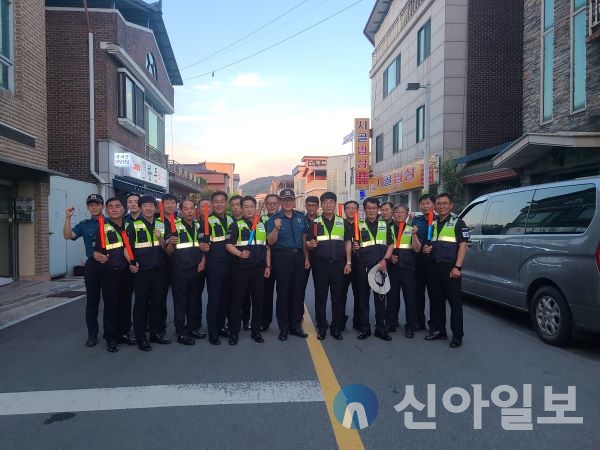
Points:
(243, 258)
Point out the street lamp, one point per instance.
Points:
(416, 87)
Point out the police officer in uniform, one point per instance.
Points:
(350, 208)
(146, 236)
(235, 204)
(170, 208)
(218, 266)
(286, 232)
(400, 259)
(115, 276)
(375, 238)
(251, 265)
(446, 255)
(272, 206)
(88, 229)
(330, 249)
(201, 275)
(188, 261)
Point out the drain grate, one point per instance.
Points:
(67, 294)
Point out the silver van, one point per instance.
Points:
(537, 249)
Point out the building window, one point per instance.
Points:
(151, 65)
(6, 63)
(578, 27)
(397, 137)
(155, 130)
(379, 148)
(547, 60)
(420, 123)
(131, 102)
(424, 42)
(391, 76)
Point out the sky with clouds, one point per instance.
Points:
(264, 113)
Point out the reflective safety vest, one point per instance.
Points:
(146, 246)
(330, 246)
(405, 239)
(185, 239)
(112, 237)
(367, 238)
(405, 254)
(444, 244)
(217, 231)
(114, 248)
(244, 231)
(187, 254)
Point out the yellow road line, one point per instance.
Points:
(346, 438)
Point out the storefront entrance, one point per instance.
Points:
(7, 241)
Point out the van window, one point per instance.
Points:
(562, 210)
(472, 217)
(507, 214)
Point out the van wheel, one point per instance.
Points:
(550, 316)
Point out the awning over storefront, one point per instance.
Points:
(531, 147)
(128, 184)
(17, 169)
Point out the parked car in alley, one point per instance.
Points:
(537, 249)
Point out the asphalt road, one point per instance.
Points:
(47, 353)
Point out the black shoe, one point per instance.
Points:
(112, 346)
(321, 335)
(213, 338)
(223, 332)
(383, 335)
(257, 337)
(125, 339)
(233, 338)
(363, 335)
(336, 335)
(159, 339)
(143, 345)
(197, 334)
(246, 326)
(298, 332)
(91, 341)
(185, 340)
(455, 342)
(283, 335)
(436, 335)
(409, 334)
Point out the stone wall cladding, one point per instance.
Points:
(563, 119)
(494, 73)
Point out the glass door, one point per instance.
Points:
(6, 230)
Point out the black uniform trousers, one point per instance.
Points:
(148, 287)
(185, 286)
(125, 315)
(352, 279)
(168, 274)
(420, 287)
(117, 301)
(246, 306)
(402, 280)
(218, 283)
(364, 299)
(268, 292)
(201, 283)
(246, 283)
(329, 275)
(290, 287)
(92, 275)
(441, 288)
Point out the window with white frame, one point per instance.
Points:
(131, 102)
(379, 148)
(391, 76)
(424, 42)
(155, 130)
(578, 50)
(547, 96)
(6, 62)
(420, 123)
(397, 137)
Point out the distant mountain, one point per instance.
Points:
(262, 184)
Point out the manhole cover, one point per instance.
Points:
(68, 294)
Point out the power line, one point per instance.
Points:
(246, 36)
(274, 45)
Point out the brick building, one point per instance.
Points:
(121, 49)
(24, 174)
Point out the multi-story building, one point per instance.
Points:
(24, 174)
(315, 176)
(561, 105)
(110, 75)
(443, 84)
(226, 168)
(299, 183)
(339, 177)
(215, 181)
